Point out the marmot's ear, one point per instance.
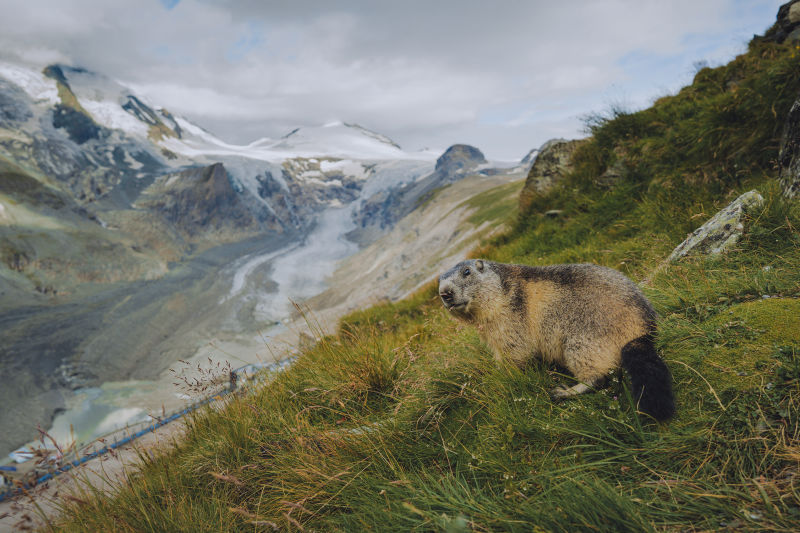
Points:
(479, 265)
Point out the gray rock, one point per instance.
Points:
(552, 163)
(789, 157)
(787, 21)
(722, 231)
(793, 15)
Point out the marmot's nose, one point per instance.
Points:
(447, 296)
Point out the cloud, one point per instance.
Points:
(417, 71)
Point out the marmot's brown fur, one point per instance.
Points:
(587, 318)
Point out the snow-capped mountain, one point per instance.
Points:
(89, 109)
(96, 138)
(115, 107)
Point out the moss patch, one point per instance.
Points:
(743, 341)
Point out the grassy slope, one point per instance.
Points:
(402, 421)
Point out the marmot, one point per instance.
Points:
(587, 318)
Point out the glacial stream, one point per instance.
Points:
(241, 306)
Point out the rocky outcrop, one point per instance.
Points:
(789, 157)
(79, 126)
(787, 25)
(316, 183)
(552, 163)
(722, 231)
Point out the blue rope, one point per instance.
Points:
(97, 453)
(277, 366)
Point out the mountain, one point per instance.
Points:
(116, 157)
(155, 185)
(87, 142)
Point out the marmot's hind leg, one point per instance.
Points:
(562, 391)
(589, 366)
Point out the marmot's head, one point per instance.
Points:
(470, 290)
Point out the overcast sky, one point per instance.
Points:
(504, 76)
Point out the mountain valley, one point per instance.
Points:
(131, 238)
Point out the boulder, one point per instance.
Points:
(789, 156)
(722, 231)
(552, 163)
(787, 24)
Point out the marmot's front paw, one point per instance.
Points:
(559, 393)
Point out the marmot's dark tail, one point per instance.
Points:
(650, 378)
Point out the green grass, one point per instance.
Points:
(497, 205)
(401, 421)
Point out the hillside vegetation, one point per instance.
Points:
(402, 421)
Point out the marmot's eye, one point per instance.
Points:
(466, 271)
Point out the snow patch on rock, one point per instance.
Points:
(112, 116)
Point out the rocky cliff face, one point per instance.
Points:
(202, 204)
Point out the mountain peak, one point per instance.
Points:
(459, 158)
